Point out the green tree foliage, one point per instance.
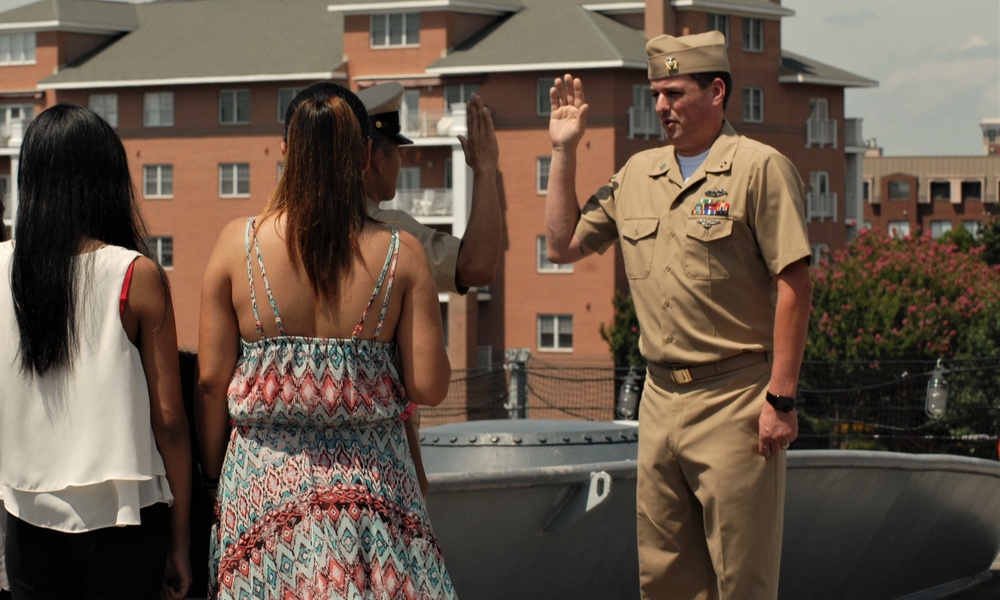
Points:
(622, 335)
(912, 298)
(991, 241)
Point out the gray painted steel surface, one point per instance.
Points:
(519, 517)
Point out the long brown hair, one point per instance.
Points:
(321, 190)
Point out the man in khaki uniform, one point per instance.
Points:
(713, 235)
(457, 264)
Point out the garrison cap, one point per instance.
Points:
(670, 56)
(382, 102)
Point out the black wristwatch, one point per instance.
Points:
(783, 404)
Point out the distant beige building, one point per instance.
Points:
(911, 195)
(197, 91)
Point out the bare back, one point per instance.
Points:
(302, 312)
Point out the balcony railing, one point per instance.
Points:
(643, 122)
(821, 132)
(853, 133)
(821, 206)
(428, 202)
(12, 132)
(427, 123)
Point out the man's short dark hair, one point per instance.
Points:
(705, 79)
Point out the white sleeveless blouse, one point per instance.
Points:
(76, 446)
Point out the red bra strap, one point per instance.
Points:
(125, 285)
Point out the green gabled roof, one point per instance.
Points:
(796, 68)
(206, 41)
(548, 34)
(71, 15)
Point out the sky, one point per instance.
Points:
(937, 64)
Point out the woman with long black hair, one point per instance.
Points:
(94, 449)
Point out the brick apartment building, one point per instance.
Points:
(911, 195)
(197, 89)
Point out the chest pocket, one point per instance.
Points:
(707, 247)
(638, 241)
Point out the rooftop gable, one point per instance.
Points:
(79, 16)
(206, 41)
(545, 35)
(796, 68)
(486, 7)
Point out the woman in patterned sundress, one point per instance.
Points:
(319, 327)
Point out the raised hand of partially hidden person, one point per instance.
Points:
(481, 149)
(568, 119)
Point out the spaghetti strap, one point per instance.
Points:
(251, 231)
(389, 268)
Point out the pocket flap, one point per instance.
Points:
(637, 228)
(707, 229)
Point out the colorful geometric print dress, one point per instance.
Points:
(318, 496)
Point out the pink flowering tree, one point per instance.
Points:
(909, 298)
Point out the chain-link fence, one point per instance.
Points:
(875, 405)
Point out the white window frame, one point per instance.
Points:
(285, 97)
(542, 166)
(459, 93)
(382, 26)
(161, 176)
(106, 107)
(975, 228)
(940, 227)
(720, 23)
(543, 104)
(543, 265)
(868, 190)
(753, 34)
(898, 182)
(902, 229)
(158, 109)
(237, 103)
(17, 48)
(753, 105)
(557, 323)
(230, 180)
(163, 249)
(642, 118)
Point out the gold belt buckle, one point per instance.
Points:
(681, 376)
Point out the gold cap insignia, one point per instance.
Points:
(671, 63)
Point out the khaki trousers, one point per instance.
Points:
(710, 507)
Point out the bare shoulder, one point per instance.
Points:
(148, 291)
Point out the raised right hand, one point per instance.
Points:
(568, 119)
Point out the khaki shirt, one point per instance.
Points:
(441, 248)
(700, 256)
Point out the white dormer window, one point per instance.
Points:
(394, 30)
(17, 49)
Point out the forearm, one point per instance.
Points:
(562, 209)
(791, 325)
(174, 445)
(212, 425)
(480, 250)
